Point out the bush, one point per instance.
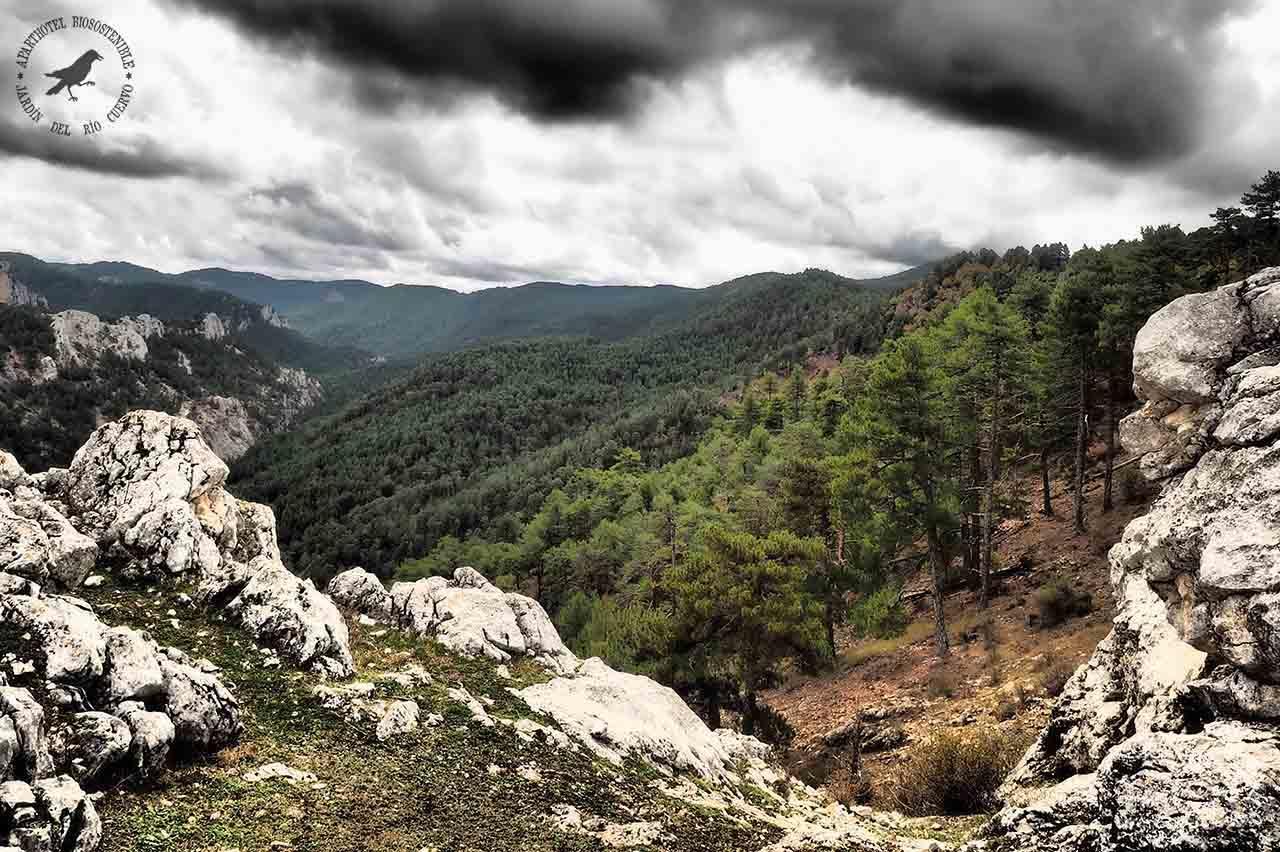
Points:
(952, 773)
(940, 684)
(1055, 677)
(879, 615)
(1059, 602)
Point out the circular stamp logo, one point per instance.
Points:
(75, 75)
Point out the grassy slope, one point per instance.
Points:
(430, 789)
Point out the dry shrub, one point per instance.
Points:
(941, 684)
(849, 787)
(952, 773)
(1055, 677)
(1058, 602)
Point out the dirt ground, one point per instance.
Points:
(902, 684)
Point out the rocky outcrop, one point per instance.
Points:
(619, 715)
(112, 703)
(616, 715)
(1166, 738)
(81, 339)
(147, 492)
(14, 292)
(466, 614)
(226, 424)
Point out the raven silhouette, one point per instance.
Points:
(74, 74)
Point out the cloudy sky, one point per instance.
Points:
(471, 143)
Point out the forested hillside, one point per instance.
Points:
(252, 326)
(715, 571)
(407, 320)
(471, 442)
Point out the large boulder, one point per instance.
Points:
(149, 490)
(466, 614)
(619, 715)
(1165, 738)
(50, 814)
(290, 615)
(359, 590)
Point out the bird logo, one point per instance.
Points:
(74, 74)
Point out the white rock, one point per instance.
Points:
(618, 714)
(205, 715)
(280, 772)
(67, 635)
(401, 718)
(359, 590)
(95, 742)
(289, 614)
(133, 670)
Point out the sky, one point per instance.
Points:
(475, 143)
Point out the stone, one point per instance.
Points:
(616, 715)
(95, 743)
(74, 825)
(226, 424)
(204, 713)
(151, 736)
(359, 590)
(32, 759)
(289, 614)
(401, 718)
(133, 667)
(279, 772)
(136, 466)
(12, 476)
(69, 555)
(1147, 748)
(541, 639)
(67, 635)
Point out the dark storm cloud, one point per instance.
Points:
(133, 158)
(301, 209)
(1124, 81)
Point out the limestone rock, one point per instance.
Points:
(69, 556)
(401, 718)
(359, 590)
(151, 736)
(1145, 749)
(617, 714)
(292, 616)
(467, 614)
(133, 670)
(226, 424)
(31, 759)
(205, 715)
(68, 636)
(81, 339)
(136, 466)
(11, 473)
(95, 742)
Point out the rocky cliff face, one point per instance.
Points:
(14, 292)
(192, 369)
(1167, 737)
(143, 498)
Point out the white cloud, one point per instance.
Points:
(757, 162)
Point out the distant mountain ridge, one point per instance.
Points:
(407, 320)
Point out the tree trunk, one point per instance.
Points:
(972, 506)
(1111, 440)
(1082, 440)
(988, 496)
(1047, 508)
(713, 708)
(937, 569)
(829, 621)
(749, 713)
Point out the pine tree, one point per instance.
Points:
(900, 460)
